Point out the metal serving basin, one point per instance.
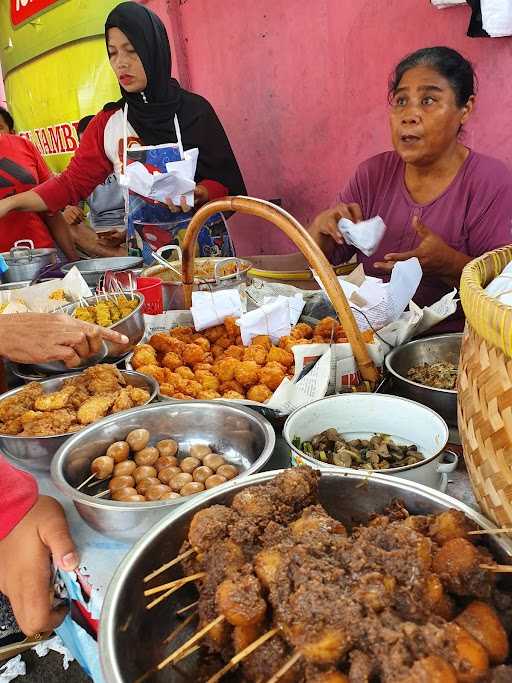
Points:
(445, 347)
(348, 496)
(243, 437)
(93, 269)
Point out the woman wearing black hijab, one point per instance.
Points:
(140, 56)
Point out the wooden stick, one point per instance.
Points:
(95, 483)
(478, 532)
(103, 493)
(186, 609)
(242, 655)
(164, 567)
(86, 481)
(498, 568)
(191, 641)
(165, 595)
(293, 659)
(187, 653)
(176, 631)
(171, 584)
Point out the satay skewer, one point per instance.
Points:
(86, 481)
(171, 584)
(498, 568)
(164, 567)
(186, 608)
(103, 493)
(242, 655)
(286, 667)
(491, 532)
(175, 632)
(174, 656)
(172, 590)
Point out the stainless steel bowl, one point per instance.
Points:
(132, 326)
(445, 347)
(92, 270)
(36, 452)
(348, 496)
(244, 438)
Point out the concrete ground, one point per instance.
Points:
(49, 668)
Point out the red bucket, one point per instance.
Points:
(151, 288)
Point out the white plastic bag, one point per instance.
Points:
(445, 4)
(497, 17)
(365, 236)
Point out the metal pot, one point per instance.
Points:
(363, 415)
(36, 452)
(349, 496)
(92, 270)
(445, 347)
(25, 262)
(243, 437)
(172, 289)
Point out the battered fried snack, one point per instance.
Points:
(108, 312)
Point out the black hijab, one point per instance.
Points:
(152, 115)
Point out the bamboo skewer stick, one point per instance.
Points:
(86, 481)
(170, 564)
(191, 641)
(186, 609)
(286, 667)
(165, 595)
(498, 568)
(176, 631)
(103, 493)
(242, 655)
(193, 649)
(171, 584)
(478, 532)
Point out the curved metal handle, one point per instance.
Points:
(444, 483)
(20, 243)
(223, 262)
(21, 252)
(170, 247)
(447, 467)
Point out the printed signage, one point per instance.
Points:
(21, 10)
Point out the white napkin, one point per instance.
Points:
(501, 287)
(365, 236)
(497, 17)
(177, 182)
(295, 305)
(271, 319)
(212, 308)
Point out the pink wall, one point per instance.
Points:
(301, 88)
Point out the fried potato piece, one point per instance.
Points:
(55, 400)
(94, 408)
(271, 375)
(171, 360)
(259, 393)
(280, 356)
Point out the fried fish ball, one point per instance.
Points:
(138, 439)
(102, 467)
(193, 353)
(302, 331)
(126, 467)
(271, 376)
(259, 392)
(179, 481)
(201, 341)
(225, 369)
(214, 333)
(247, 373)
(144, 484)
(262, 340)
(118, 451)
(202, 473)
(167, 473)
(481, 621)
(208, 395)
(215, 480)
(156, 491)
(231, 385)
(154, 371)
(232, 329)
(191, 488)
(233, 395)
(234, 351)
(256, 353)
(217, 352)
(171, 360)
(143, 472)
(185, 372)
(121, 495)
(228, 471)
(167, 447)
(199, 451)
(281, 356)
(147, 456)
(143, 357)
(121, 482)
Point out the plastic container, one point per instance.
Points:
(151, 288)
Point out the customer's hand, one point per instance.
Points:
(201, 196)
(326, 223)
(25, 566)
(43, 337)
(73, 215)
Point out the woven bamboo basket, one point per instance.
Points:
(485, 387)
(316, 259)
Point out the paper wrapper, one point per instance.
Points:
(36, 299)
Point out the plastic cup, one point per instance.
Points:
(151, 288)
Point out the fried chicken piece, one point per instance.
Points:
(138, 395)
(122, 401)
(104, 379)
(55, 400)
(95, 408)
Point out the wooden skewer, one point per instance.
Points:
(186, 609)
(478, 532)
(103, 493)
(165, 595)
(175, 632)
(498, 568)
(85, 481)
(95, 483)
(161, 569)
(191, 641)
(293, 659)
(171, 584)
(187, 653)
(242, 655)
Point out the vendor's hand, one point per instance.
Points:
(201, 196)
(43, 337)
(73, 215)
(112, 238)
(326, 223)
(434, 255)
(25, 566)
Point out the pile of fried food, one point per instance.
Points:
(402, 599)
(442, 375)
(137, 472)
(108, 312)
(204, 269)
(215, 363)
(378, 452)
(98, 391)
